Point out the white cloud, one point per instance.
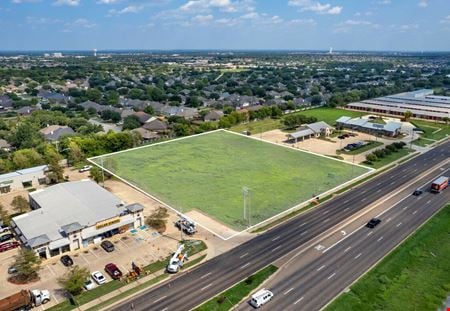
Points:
(126, 10)
(316, 7)
(82, 22)
(446, 20)
(351, 22)
(203, 19)
(306, 22)
(385, 2)
(251, 15)
(422, 3)
(203, 5)
(107, 1)
(406, 27)
(24, 1)
(67, 2)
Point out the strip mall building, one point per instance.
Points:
(73, 215)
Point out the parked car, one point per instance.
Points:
(113, 271)
(8, 245)
(107, 246)
(88, 284)
(98, 277)
(66, 260)
(373, 223)
(6, 237)
(85, 168)
(4, 228)
(417, 192)
(12, 270)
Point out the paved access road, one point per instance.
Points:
(312, 286)
(194, 287)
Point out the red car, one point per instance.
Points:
(8, 245)
(113, 271)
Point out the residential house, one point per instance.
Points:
(4, 145)
(54, 132)
(213, 115)
(155, 125)
(6, 103)
(317, 129)
(146, 134)
(142, 116)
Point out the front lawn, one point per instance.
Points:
(390, 158)
(432, 130)
(370, 145)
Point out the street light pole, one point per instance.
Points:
(103, 173)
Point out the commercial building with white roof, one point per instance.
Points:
(22, 179)
(421, 103)
(391, 128)
(72, 215)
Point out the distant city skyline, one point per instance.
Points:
(372, 25)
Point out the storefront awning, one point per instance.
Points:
(85, 234)
(59, 243)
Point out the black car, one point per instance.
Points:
(66, 260)
(373, 223)
(107, 246)
(417, 192)
(6, 237)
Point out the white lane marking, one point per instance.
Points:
(303, 224)
(347, 249)
(346, 209)
(165, 309)
(428, 202)
(331, 276)
(363, 199)
(362, 192)
(205, 287)
(159, 299)
(93, 253)
(392, 177)
(415, 170)
(404, 170)
(298, 300)
(304, 232)
(399, 224)
(379, 190)
(205, 275)
(379, 183)
(389, 219)
(275, 238)
(357, 256)
(246, 265)
(369, 233)
(346, 201)
(379, 239)
(274, 249)
(320, 268)
(326, 212)
(326, 220)
(392, 183)
(242, 256)
(414, 212)
(405, 207)
(288, 291)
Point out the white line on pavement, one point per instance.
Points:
(346, 209)
(320, 268)
(379, 239)
(298, 300)
(205, 287)
(347, 249)
(274, 249)
(389, 219)
(414, 212)
(159, 299)
(370, 232)
(363, 199)
(205, 275)
(246, 265)
(428, 202)
(326, 212)
(405, 207)
(399, 224)
(326, 220)
(242, 256)
(357, 256)
(288, 291)
(304, 232)
(275, 238)
(332, 275)
(303, 224)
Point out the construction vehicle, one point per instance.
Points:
(25, 300)
(177, 260)
(187, 225)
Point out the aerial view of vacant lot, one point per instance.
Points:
(208, 172)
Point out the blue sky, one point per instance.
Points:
(419, 25)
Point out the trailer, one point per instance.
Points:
(439, 184)
(25, 300)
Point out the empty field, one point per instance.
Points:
(208, 172)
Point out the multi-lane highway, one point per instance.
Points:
(310, 286)
(193, 287)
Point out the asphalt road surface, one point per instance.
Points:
(311, 286)
(191, 288)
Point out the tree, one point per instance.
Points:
(158, 219)
(96, 174)
(446, 120)
(76, 155)
(149, 110)
(371, 157)
(26, 135)
(131, 122)
(20, 204)
(27, 265)
(407, 115)
(56, 172)
(4, 216)
(111, 115)
(73, 280)
(26, 158)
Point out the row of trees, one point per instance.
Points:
(295, 120)
(384, 152)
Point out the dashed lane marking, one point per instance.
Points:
(275, 238)
(347, 249)
(205, 287)
(357, 256)
(298, 300)
(331, 275)
(205, 275)
(159, 299)
(246, 265)
(288, 291)
(399, 224)
(242, 256)
(379, 239)
(320, 268)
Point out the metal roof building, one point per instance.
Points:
(389, 129)
(68, 216)
(421, 103)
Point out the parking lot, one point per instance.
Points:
(142, 246)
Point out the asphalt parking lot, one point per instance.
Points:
(141, 246)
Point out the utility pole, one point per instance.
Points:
(103, 173)
(245, 192)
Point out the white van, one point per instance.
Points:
(261, 297)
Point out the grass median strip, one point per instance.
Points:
(235, 294)
(415, 276)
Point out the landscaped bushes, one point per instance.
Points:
(381, 153)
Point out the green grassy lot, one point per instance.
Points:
(234, 295)
(208, 173)
(423, 142)
(260, 126)
(431, 129)
(415, 276)
(330, 115)
(370, 145)
(390, 158)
